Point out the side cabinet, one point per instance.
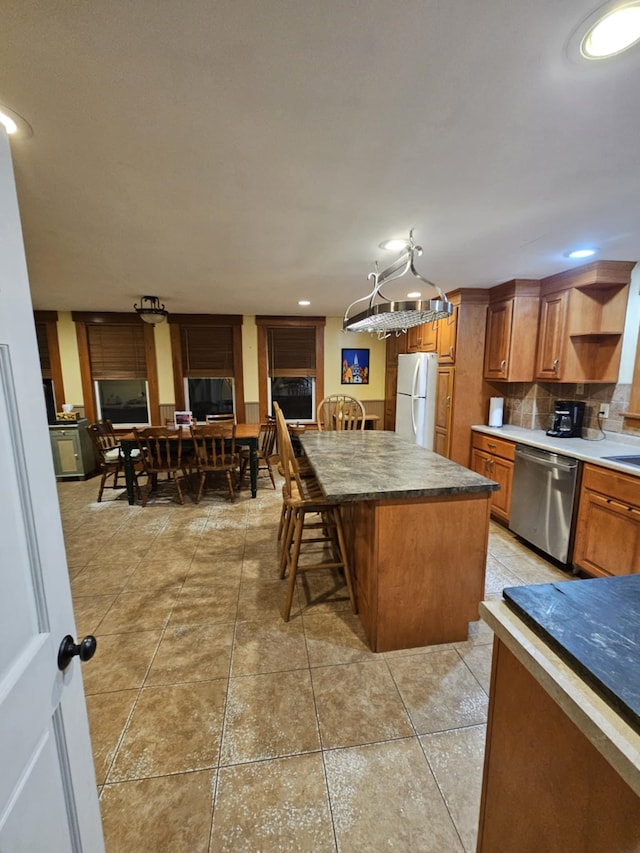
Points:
(512, 325)
(494, 458)
(72, 449)
(608, 527)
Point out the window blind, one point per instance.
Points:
(117, 352)
(292, 351)
(207, 350)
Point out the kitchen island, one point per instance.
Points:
(417, 528)
(562, 758)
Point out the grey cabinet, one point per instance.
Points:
(72, 449)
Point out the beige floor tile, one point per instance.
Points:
(195, 604)
(159, 576)
(497, 578)
(260, 566)
(268, 645)
(335, 638)
(108, 714)
(480, 634)
(456, 759)
(90, 611)
(169, 814)
(265, 598)
(173, 729)
(358, 703)
(204, 571)
(273, 807)
(478, 659)
(106, 579)
(120, 662)
(269, 716)
(139, 610)
(192, 653)
(384, 797)
(439, 691)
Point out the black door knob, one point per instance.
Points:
(85, 650)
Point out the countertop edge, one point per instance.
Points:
(614, 739)
(577, 448)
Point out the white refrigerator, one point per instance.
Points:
(416, 397)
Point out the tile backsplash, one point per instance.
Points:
(530, 405)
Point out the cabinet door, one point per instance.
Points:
(444, 407)
(423, 338)
(390, 386)
(447, 328)
(550, 336)
(67, 459)
(607, 536)
(396, 344)
(481, 462)
(498, 339)
(502, 473)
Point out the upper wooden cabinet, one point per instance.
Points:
(582, 315)
(512, 323)
(423, 338)
(447, 334)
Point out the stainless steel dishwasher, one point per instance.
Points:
(542, 500)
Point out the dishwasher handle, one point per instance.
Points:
(547, 460)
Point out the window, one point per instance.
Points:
(118, 368)
(207, 364)
(291, 355)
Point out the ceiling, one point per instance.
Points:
(234, 156)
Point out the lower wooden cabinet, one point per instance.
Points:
(608, 527)
(72, 449)
(493, 458)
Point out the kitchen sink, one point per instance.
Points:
(626, 460)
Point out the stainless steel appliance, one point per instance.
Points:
(566, 421)
(542, 500)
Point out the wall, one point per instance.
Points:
(530, 404)
(335, 341)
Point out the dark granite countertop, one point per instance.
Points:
(365, 465)
(594, 625)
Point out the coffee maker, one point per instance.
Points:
(566, 421)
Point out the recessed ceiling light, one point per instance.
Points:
(613, 32)
(415, 294)
(304, 302)
(13, 123)
(394, 245)
(581, 253)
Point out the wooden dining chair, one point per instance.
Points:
(108, 453)
(313, 527)
(339, 412)
(266, 447)
(160, 453)
(214, 455)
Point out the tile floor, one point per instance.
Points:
(218, 727)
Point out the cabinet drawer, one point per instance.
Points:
(496, 446)
(621, 487)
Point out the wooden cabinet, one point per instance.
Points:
(72, 448)
(494, 458)
(608, 527)
(396, 345)
(444, 404)
(423, 338)
(446, 339)
(582, 317)
(512, 324)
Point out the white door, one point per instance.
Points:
(48, 797)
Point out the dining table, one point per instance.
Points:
(246, 436)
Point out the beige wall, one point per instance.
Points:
(335, 341)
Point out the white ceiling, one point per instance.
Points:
(234, 156)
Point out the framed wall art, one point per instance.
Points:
(355, 367)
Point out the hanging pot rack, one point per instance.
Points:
(383, 315)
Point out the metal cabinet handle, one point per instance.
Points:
(451, 352)
(503, 365)
(491, 445)
(556, 365)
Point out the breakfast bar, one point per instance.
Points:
(417, 529)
